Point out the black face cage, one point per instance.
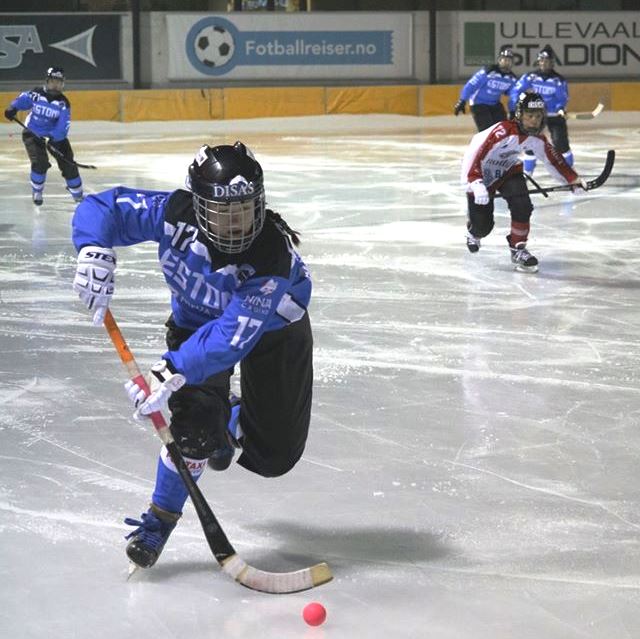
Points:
(231, 225)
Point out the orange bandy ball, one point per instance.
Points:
(314, 613)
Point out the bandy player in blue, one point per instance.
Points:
(239, 297)
(47, 123)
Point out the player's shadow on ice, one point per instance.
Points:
(288, 547)
(299, 546)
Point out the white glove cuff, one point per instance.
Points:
(172, 381)
(98, 256)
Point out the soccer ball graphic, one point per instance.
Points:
(214, 46)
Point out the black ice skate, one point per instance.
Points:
(36, 196)
(473, 243)
(148, 540)
(523, 260)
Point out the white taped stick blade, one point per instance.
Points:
(588, 115)
(276, 582)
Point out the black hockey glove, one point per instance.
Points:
(459, 106)
(10, 113)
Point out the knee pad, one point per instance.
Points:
(70, 173)
(198, 421)
(520, 207)
(482, 226)
(199, 440)
(518, 199)
(479, 218)
(40, 166)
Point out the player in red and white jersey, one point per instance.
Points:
(492, 164)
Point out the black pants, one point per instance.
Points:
(276, 381)
(480, 219)
(557, 126)
(37, 152)
(486, 115)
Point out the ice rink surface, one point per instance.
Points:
(472, 468)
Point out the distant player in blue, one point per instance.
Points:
(49, 117)
(484, 89)
(239, 295)
(545, 81)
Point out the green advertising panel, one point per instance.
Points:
(479, 43)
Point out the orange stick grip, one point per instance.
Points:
(133, 370)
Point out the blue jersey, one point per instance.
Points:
(228, 300)
(552, 87)
(50, 114)
(487, 85)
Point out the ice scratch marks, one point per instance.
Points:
(525, 292)
(59, 516)
(11, 395)
(131, 483)
(559, 579)
(317, 463)
(547, 491)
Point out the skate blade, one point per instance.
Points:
(132, 569)
(526, 269)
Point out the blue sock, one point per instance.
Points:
(74, 186)
(74, 183)
(170, 492)
(529, 164)
(234, 422)
(37, 180)
(568, 157)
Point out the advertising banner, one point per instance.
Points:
(86, 46)
(586, 44)
(290, 46)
